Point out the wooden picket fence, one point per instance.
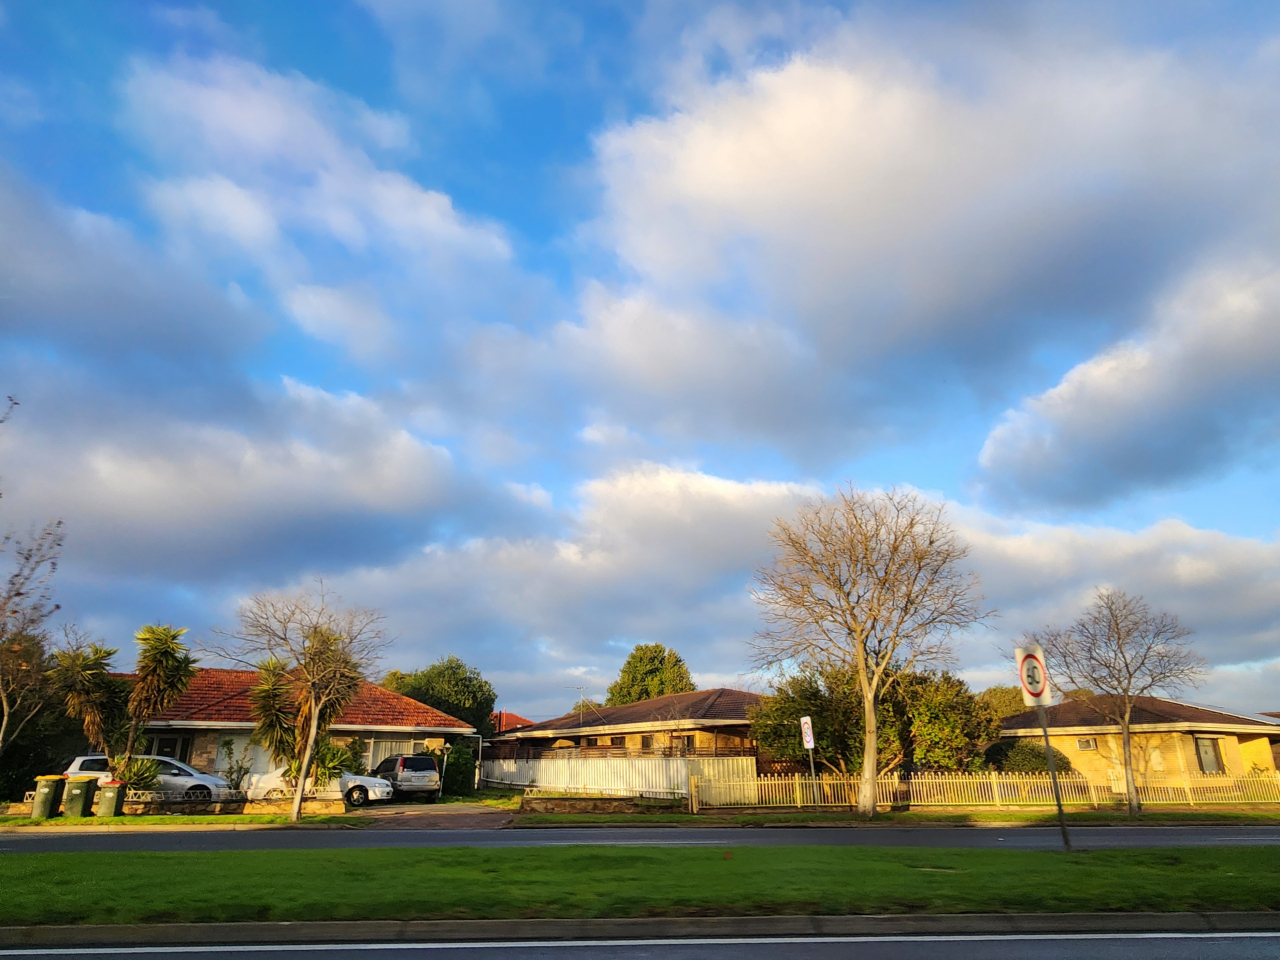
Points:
(993, 790)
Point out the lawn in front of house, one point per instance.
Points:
(630, 881)
(783, 818)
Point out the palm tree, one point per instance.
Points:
(91, 694)
(165, 669)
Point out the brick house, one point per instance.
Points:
(216, 708)
(1168, 737)
(704, 723)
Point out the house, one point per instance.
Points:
(215, 707)
(704, 723)
(504, 721)
(1167, 737)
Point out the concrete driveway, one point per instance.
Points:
(438, 816)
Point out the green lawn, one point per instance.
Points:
(782, 819)
(489, 797)
(622, 882)
(179, 819)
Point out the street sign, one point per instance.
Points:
(1033, 676)
(806, 731)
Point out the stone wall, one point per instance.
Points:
(596, 805)
(165, 807)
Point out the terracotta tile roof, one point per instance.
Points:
(504, 720)
(1078, 713)
(222, 696)
(720, 704)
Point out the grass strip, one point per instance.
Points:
(904, 819)
(178, 819)
(582, 881)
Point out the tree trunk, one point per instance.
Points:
(312, 734)
(133, 736)
(1130, 784)
(867, 785)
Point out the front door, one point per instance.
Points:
(1209, 755)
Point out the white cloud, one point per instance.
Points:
(345, 317)
(1198, 385)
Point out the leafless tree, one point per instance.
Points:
(1122, 650)
(323, 649)
(25, 607)
(866, 582)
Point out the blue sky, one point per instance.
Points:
(522, 322)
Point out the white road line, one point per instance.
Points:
(653, 942)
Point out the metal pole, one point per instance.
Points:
(811, 772)
(1053, 776)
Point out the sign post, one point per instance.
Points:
(806, 733)
(1034, 679)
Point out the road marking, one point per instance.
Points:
(655, 942)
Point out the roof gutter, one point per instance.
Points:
(532, 734)
(1177, 727)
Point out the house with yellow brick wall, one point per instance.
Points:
(1167, 738)
(703, 723)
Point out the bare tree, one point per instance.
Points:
(319, 649)
(870, 583)
(1124, 651)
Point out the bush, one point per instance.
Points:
(460, 771)
(1024, 755)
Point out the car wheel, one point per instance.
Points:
(357, 796)
(199, 794)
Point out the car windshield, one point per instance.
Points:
(420, 764)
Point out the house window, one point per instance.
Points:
(1209, 754)
(176, 748)
(591, 741)
(1087, 743)
(617, 741)
(646, 742)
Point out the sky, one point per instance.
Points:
(523, 322)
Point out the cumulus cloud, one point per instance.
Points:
(1195, 389)
(347, 317)
(902, 226)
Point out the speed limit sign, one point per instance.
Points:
(1033, 676)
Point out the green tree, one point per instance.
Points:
(1024, 755)
(1004, 701)
(651, 670)
(165, 670)
(924, 721)
(83, 676)
(451, 687)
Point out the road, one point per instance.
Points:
(1041, 947)
(1018, 838)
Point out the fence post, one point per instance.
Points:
(693, 793)
(995, 789)
(1186, 786)
(798, 797)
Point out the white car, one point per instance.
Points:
(354, 789)
(175, 777)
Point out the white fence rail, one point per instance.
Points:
(995, 790)
(616, 776)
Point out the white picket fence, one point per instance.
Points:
(992, 790)
(616, 776)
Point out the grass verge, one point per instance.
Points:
(178, 820)
(905, 819)
(300, 885)
(498, 799)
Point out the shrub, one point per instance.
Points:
(1024, 755)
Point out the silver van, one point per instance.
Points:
(417, 775)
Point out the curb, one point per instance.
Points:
(410, 931)
(177, 828)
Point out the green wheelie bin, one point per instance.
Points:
(48, 796)
(111, 794)
(78, 800)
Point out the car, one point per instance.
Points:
(175, 777)
(354, 789)
(415, 774)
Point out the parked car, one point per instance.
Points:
(416, 775)
(175, 777)
(354, 789)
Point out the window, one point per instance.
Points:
(591, 741)
(94, 765)
(1087, 743)
(617, 741)
(385, 766)
(420, 764)
(171, 770)
(176, 748)
(1209, 754)
(646, 742)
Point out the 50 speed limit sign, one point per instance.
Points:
(1033, 676)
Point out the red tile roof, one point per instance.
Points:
(222, 696)
(504, 720)
(1079, 713)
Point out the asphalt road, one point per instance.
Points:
(1040, 947)
(1019, 838)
